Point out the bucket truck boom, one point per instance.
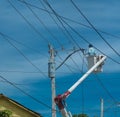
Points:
(60, 99)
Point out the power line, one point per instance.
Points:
(79, 34)
(79, 23)
(102, 52)
(76, 64)
(71, 20)
(67, 58)
(61, 29)
(76, 43)
(24, 2)
(69, 67)
(45, 26)
(102, 84)
(25, 19)
(108, 93)
(10, 38)
(105, 89)
(15, 71)
(25, 93)
(23, 55)
(64, 28)
(94, 28)
(88, 41)
(20, 84)
(71, 37)
(37, 17)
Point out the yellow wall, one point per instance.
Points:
(17, 110)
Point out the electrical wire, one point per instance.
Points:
(25, 93)
(13, 83)
(25, 19)
(77, 66)
(79, 10)
(23, 55)
(45, 27)
(79, 23)
(78, 33)
(105, 89)
(61, 29)
(88, 41)
(41, 22)
(64, 28)
(24, 45)
(62, 32)
(68, 57)
(69, 68)
(68, 19)
(81, 35)
(108, 93)
(71, 37)
(15, 71)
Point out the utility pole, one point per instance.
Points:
(51, 74)
(102, 107)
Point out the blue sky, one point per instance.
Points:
(28, 29)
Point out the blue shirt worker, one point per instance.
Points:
(91, 50)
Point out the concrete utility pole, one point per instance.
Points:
(102, 108)
(51, 73)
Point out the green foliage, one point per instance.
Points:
(5, 113)
(80, 115)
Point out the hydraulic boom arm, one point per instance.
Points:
(59, 100)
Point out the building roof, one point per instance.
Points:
(19, 105)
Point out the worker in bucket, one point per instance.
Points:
(91, 50)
